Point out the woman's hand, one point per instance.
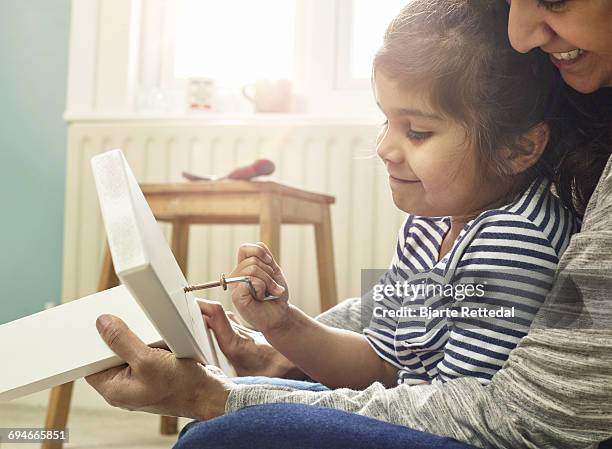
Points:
(247, 350)
(155, 381)
(257, 262)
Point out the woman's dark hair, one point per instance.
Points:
(476, 78)
(581, 137)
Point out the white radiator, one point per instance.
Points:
(334, 158)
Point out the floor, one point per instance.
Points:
(112, 428)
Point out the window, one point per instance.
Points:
(369, 22)
(235, 40)
(325, 47)
(361, 28)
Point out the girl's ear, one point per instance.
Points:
(536, 140)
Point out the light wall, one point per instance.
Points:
(33, 61)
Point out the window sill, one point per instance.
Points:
(226, 118)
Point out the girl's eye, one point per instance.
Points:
(552, 5)
(418, 136)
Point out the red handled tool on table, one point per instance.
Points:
(261, 167)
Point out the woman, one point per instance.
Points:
(576, 34)
(554, 391)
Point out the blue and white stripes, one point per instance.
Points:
(511, 252)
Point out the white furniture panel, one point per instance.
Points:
(62, 344)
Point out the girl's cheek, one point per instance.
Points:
(440, 171)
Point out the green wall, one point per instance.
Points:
(33, 70)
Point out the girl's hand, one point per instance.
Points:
(257, 262)
(248, 351)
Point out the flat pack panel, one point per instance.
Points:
(62, 344)
(144, 262)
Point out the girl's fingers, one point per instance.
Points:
(242, 266)
(243, 293)
(217, 320)
(239, 327)
(232, 316)
(255, 268)
(210, 308)
(247, 250)
(262, 281)
(272, 262)
(268, 284)
(244, 331)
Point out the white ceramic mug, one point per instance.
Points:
(269, 96)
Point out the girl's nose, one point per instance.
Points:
(386, 148)
(527, 28)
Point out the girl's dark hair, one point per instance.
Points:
(476, 78)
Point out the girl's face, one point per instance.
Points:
(577, 34)
(432, 170)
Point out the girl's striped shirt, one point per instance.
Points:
(508, 255)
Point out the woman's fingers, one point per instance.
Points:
(120, 339)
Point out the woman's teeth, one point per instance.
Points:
(568, 55)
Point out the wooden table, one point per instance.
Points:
(268, 204)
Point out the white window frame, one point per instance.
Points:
(156, 61)
(344, 29)
(323, 31)
(133, 40)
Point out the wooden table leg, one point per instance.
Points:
(180, 249)
(180, 243)
(270, 223)
(168, 425)
(57, 412)
(108, 277)
(325, 261)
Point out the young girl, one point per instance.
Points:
(473, 142)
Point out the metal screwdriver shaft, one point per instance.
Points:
(223, 283)
(207, 285)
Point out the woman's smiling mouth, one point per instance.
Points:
(568, 55)
(564, 60)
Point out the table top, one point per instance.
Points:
(230, 186)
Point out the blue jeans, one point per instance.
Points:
(297, 384)
(297, 426)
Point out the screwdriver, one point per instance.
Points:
(223, 283)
